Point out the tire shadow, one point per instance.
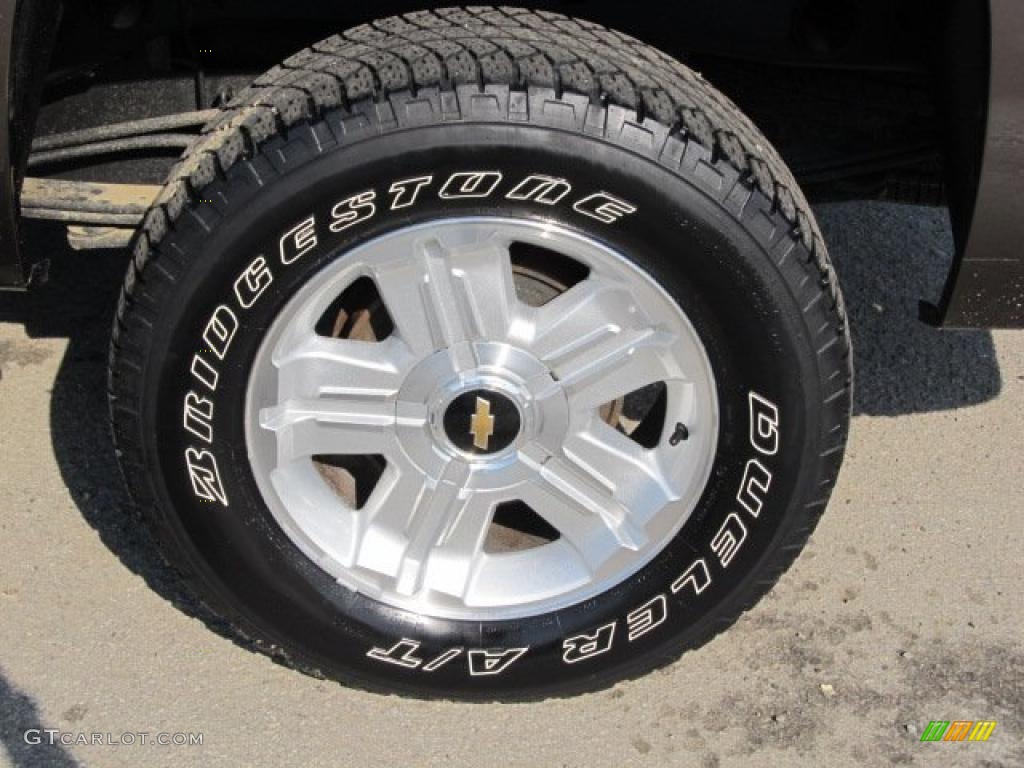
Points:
(78, 303)
(887, 256)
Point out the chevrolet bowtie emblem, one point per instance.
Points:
(481, 424)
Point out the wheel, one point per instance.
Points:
(483, 354)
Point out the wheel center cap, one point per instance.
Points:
(482, 421)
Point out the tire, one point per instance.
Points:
(512, 126)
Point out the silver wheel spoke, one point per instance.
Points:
(449, 291)
(451, 563)
(586, 534)
(406, 519)
(614, 367)
(600, 344)
(335, 397)
(595, 306)
(585, 503)
(632, 473)
(318, 367)
(307, 428)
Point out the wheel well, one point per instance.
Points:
(794, 66)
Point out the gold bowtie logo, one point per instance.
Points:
(481, 425)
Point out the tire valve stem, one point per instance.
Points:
(681, 433)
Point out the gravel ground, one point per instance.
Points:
(904, 608)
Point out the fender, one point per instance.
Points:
(985, 287)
